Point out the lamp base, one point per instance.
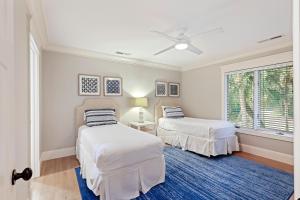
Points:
(141, 117)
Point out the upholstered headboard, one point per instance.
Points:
(164, 102)
(93, 104)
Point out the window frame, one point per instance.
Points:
(271, 61)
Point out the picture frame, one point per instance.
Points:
(89, 85)
(174, 89)
(113, 86)
(161, 89)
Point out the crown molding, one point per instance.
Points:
(38, 26)
(108, 57)
(247, 56)
(133, 61)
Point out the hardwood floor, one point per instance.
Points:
(58, 178)
(58, 165)
(57, 181)
(266, 161)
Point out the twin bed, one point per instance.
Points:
(119, 162)
(202, 136)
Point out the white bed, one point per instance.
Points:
(117, 161)
(202, 136)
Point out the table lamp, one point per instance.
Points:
(141, 102)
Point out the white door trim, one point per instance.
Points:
(35, 106)
(296, 59)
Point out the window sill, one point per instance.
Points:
(267, 134)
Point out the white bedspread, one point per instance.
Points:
(118, 161)
(211, 129)
(115, 146)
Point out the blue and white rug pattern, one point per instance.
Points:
(190, 176)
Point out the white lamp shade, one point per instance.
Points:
(140, 102)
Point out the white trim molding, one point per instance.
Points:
(266, 153)
(255, 63)
(108, 57)
(296, 51)
(228, 62)
(259, 62)
(57, 153)
(287, 137)
(263, 61)
(247, 55)
(35, 106)
(37, 22)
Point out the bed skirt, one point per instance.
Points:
(204, 146)
(122, 183)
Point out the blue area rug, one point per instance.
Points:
(191, 176)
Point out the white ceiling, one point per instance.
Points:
(125, 25)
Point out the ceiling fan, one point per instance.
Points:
(183, 42)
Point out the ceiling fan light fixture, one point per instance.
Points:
(181, 46)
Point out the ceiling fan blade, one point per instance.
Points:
(165, 36)
(164, 50)
(194, 49)
(212, 31)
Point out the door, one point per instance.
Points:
(14, 106)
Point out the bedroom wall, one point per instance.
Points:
(60, 92)
(204, 100)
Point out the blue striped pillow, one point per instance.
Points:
(173, 112)
(99, 117)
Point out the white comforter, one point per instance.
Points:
(210, 129)
(115, 146)
(118, 161)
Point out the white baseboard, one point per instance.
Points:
(57, 153)
(281, 157)
(274, 155)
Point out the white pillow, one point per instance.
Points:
(172, 112)
(102, 116)
(163, 110)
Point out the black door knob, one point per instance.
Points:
(25, 175)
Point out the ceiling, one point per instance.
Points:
(125, 25)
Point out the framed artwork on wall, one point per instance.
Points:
(112, 86)
(161, 89)
(174, 89)
(89, 85)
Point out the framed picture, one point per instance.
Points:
(112, 86)
(89, 85)
(174, 89)
(161, 89)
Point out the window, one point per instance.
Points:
(261, 98)
(240, 98)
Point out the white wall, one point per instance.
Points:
(201, 92)
(202, 97)
(60, 92)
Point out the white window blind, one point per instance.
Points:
(240, 87)
(261, 98)
(276, 99)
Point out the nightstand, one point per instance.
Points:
(145, 126)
